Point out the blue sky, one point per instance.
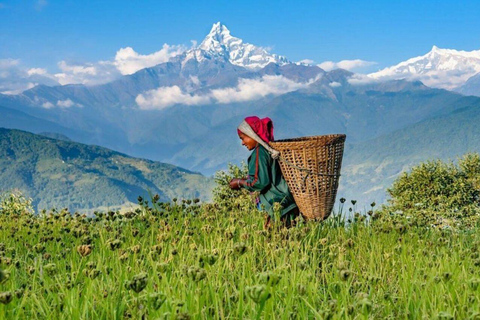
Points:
(40, 33)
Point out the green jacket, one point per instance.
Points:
(264, 176)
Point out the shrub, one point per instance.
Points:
(15, 203)
(438, 193)
(228, 198)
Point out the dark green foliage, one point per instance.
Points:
(437, 192)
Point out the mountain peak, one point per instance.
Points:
(220, 44)
(217, 38)
(219, 29)
(439, 68)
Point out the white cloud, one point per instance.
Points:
(335, 84)
(305, 61)
(361, 79)
(164, 97)
(246, 90)
(38, 71)
(7, 63)
(15, 78)
(47, 105)
(253, 89)
(350, 65)
(87, 73)
(65, 104)
(128, 61)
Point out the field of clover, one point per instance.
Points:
(193, 260)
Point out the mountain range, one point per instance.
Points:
(440, 68)
(185, 111)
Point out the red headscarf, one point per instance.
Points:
(262, 127)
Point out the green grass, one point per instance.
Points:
(210, 261)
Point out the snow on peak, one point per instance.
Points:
(440, 68)
(220, 44)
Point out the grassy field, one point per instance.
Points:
(188, 260)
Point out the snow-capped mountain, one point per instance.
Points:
(220, 44)
(440, 68)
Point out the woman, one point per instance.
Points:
(264, 173)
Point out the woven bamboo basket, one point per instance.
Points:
(311, 166)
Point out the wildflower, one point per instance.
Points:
(84, 250)
(445, 315)
(302, 264)
(182, 316)
(345, 274)
(240, 248)
(138, 283)
(447, 276)
(19, 293)
(50, 269)
(114, 244)
(259, 293)
(136, 248)
(123, 257)
(196, 273)
(39, 248)
(157, 249)
(3, 276)
(270, 278)
(6, 297)
(350, 243)
(91, 273)
(373, 204)
(474, 283)
(157, 299)
(342, 200)
(365, 305)
(208, 258)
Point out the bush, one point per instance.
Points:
(15, 203)
(437, 193)
(228, 198)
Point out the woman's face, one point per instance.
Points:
(248, 142)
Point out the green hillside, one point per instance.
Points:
(372, 166)
(56, 173)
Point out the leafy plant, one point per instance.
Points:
(437, 193)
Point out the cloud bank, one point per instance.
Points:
(127, 61)
(350, 65)
(16, 78)
(246, 90)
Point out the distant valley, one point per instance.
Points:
(64, 174)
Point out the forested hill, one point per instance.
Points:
(57, 173)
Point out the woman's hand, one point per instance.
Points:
(236, 184)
